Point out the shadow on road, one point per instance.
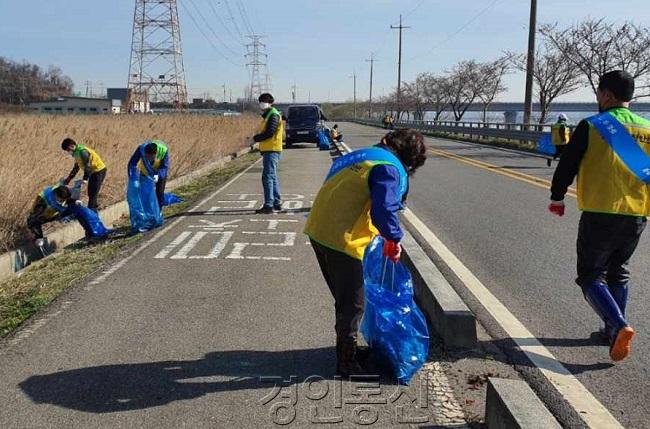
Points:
(124, 387)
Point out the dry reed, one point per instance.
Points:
(32, 157)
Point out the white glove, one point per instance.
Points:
(39, 242)
(155, 178)
(78, 203)
(85, 182)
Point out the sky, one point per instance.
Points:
(316, 45)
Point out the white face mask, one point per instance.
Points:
(265, 106)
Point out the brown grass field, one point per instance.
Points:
(32, 158)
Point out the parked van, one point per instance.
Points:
(303, 122)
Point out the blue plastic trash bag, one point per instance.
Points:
(545, 145)
(141, 197)
(323, 139)
(392, 324)
(90, 221)
(170, 199)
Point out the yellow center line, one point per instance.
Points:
(522, 177)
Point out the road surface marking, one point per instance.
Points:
(523, 177)
(191, 244)
(587, 406)
(171, 246)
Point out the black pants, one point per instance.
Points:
(605, 244)
(344, 277)
(559, 150)
(160, 191)
(95, 182)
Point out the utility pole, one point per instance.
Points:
(224, 93)
(372, 63)
(399, 65)
(354, 76)
(293, 93)
(88, 90)
(230, 95)
(530, 63)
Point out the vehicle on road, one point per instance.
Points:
(303, 122)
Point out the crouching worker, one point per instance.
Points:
(51, 204)
(360, 198)
(335, 134)
(147, 171)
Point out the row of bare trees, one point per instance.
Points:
(567, 60)
(22, 83)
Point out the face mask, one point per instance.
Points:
(265, 106)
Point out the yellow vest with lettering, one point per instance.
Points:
(274, 143)
(605, 184)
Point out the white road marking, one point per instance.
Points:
(191, 244)
(171, 246)
(289, 238)
(273, 223)
(238, 249)
(247, 204)
(594, 414)
(218, 247)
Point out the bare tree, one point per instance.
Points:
(553, 76)
(463, 87)
(435, 93)
(413, 98)
(596, 47)
(491, 81)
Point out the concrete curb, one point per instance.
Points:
(512, 404)
(448, 313)
(13, 261)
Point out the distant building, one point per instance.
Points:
(67, 104)
(130, 100)
(197, 102)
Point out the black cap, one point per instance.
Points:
(266, 98)
(619, 82)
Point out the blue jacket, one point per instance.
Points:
(164, 164)
(385, 202)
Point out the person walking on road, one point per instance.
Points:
(94, 169)
(269, 138)
(559, 137)
(360, 198)
(609, 153)
(152, 159)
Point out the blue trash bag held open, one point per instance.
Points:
(90, 221)
(392, 324)
(170, 199)
(545, 145)
(323, 139)
(141, 197)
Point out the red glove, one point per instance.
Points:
(392, 250)
(557, 208)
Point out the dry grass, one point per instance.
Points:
(32, 157)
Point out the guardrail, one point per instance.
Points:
(518, 132)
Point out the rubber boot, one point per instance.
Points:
(619, 293)
(347, 364)
(599, 297)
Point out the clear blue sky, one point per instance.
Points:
(316, 44)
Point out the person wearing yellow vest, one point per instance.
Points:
(93, 168)
(51, 204)
(152, 159)
(560, 135)
(335, 134)
(269, 137)
(360, 198)
(609, 153)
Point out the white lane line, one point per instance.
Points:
(171, 246)
(165, 230)
(191, 244)
(218, 248)
(594, 414)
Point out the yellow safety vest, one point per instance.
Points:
(160, 155)
(274, 143)
(340, 215)
(605, 184)
(556, 136)
(96, 163)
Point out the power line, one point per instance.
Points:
(205, 36)
(414, 9)
(223, 23)
(244, 15)
(207, 24)
(234, 22)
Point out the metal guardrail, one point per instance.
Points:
(519, 132)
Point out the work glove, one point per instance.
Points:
(85, 182)
(392, 250)
(556, 208)
(155, 178)
(39, 242)
(78, 203)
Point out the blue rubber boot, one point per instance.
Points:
(619, 293)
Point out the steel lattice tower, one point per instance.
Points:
(257, 58)
(156, 67)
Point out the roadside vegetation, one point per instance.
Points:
(32, 157)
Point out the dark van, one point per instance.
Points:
(303, 122)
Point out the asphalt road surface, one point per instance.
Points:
(221, 320)
(489, 208)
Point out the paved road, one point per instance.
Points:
(202, 328)
(498, 226)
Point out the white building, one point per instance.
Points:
(83, 105)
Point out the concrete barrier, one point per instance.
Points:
(14, 261)
(447, 312)
(512, 404)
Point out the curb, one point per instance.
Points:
(15, 260)
(512, 404)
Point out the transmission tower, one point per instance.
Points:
(156, 71)
(257, 60)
